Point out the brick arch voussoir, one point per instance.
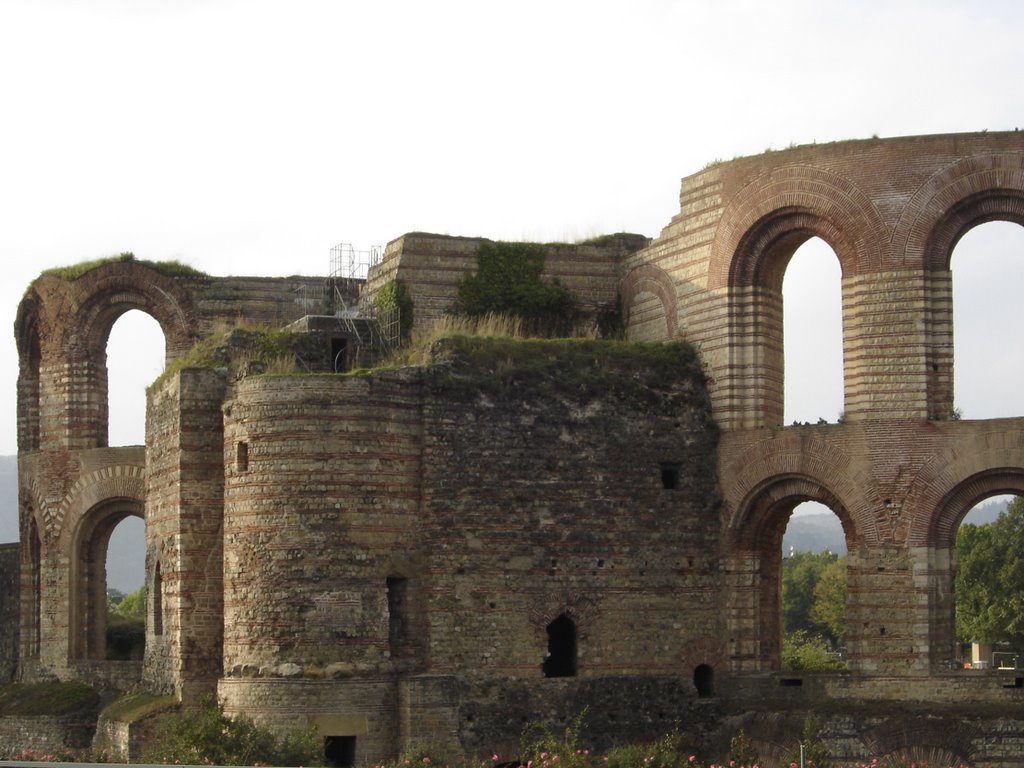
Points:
(119, 481)
(107, 292)
(967, 192)
(27, 324)
(927, 741)
(829, 206)
(948, 485)
(31, 495)
(802, 468)
(649, 278)
(706, 649)
(583, 611)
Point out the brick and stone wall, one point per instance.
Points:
(431, 266)
(9, 611)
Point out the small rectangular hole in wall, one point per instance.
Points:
(1018, 682)
(669, 476)
(242, 457)
(791, 682)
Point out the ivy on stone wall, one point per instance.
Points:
(508, 281)
(394, 296)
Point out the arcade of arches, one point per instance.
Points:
(900, 471)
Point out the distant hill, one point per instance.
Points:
(814, 533)
(987, 512)
(820, 532)
(126, 555)
(8, 499)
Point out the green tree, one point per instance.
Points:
(828, 609)
(508, 281)
(989, 585)
(131, 606)
(801, 573)
(808, 653)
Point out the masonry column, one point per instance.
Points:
(184, 530)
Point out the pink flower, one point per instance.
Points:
(426, 759)
(494, 757)
(693, 758)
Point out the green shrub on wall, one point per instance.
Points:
(508, 282)
(394, 297)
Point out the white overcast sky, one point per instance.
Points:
(248, 137)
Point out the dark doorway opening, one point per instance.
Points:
(340, 751)
(561, 660)
(704, 681)
(339, 354)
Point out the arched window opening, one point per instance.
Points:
(135, 357)
(988, 281)
(813, 333)
(29, 395)
(704, 681)
(398, 614)
(125, 590)
(988, 581)
(561, 660)
(158, 602)
(813, 590)
(35, 586)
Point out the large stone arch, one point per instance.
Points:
(760, 229)
(649, 301)
(754, 563)
(981, 463)
(75, 317)
(87, 615)
(116, 481)
(960, 196)
(795, 202)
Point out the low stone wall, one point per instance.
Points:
(44, 735)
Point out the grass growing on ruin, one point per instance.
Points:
(271, 349)
(169, 268)
(135, 706)
(34, 699)
(206, 736)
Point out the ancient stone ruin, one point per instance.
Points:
(442, 552)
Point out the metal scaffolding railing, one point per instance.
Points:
(347, 262)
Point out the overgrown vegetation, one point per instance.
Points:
(508, 281)
(989, 586)
(135, 706)
(126, 625)
(813, 611)
(207, 736)
(394, 299)
(262, 350)
(582, 368)
(33, 699)
(169, 268)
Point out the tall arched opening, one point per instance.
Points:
(135, 356)
(987, 583)
(987, 268)
(756, 568)
(88, 609)
(814, 590)
(813, 335)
